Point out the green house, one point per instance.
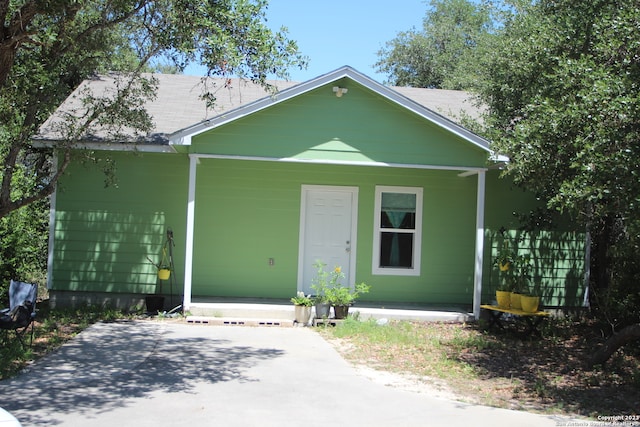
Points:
(339, 169)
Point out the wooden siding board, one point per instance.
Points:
(233, 245)
(357, 127)
(103, 235)
(249, 211)
(557, 255)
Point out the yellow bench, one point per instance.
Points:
(532, 320)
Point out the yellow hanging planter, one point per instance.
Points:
(504, 266)
(164, 273)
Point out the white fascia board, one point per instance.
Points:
(467, 169)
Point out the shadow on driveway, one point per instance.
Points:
(108, 364)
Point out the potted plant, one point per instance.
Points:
(163, 267)
(521, 275)
(530, 300)
(505, 262)
(342, 297)
(504, 258)
(320, 284)
(514, 275)
(302, 305)
(155, 303)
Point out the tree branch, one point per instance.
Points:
(625, 336)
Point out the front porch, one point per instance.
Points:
(280, 312)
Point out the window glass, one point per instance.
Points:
(397, 238)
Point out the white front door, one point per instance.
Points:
(327, 232)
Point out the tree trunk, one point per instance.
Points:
(626, 335)
(600, 263)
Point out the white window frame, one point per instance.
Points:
(377, 231)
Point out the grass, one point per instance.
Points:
(547, 375)
(420, 349)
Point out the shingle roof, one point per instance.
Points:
(179, 104)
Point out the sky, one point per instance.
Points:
(334, 33)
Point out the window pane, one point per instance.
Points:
(402, 220)
(398, 210)
(396, 250)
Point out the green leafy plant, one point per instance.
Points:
(330, 290)
(302, 299)
(505, 257)
(324, 281)
(515, 270)
(345, 295)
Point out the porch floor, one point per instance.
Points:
(266, 310)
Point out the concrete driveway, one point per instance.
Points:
(165, 373)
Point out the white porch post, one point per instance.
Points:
(188, 261)
(52, 226)
(477, 281)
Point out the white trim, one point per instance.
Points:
(477, 278)
(188, 258)
(305, 189)
(465, 169)
(587, 267)
(52, 225)
(417, 232)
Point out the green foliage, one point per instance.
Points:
(392, 333)
(514, 269)
(563, 94)
(562, 90)
(345, 295)
(329, 288)
(618, 303)
(302, 299)
(56, 45)
(23, 253)
(325, 280)
(444, 54)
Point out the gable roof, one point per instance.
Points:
(179, 112)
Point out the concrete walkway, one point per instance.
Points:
(149, 373)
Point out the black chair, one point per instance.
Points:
(22, 309)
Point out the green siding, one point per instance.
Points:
(557, 255)
(248, 212)
(361, 126)
(103, 235)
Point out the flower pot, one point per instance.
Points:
(322, 310)
(164, 273)
(341, 311)
(154, 303)
(303, 314)
(515, 301)
(503, 298)
(530, 304)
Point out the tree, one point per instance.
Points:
(563, 94)
(47, 48)
(443, 54)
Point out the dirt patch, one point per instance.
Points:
(545, 374)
